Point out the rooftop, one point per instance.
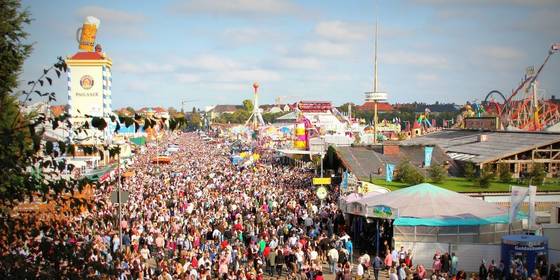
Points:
(465, 144)
(89, 56)
(363, 161)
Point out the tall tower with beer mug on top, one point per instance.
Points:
(89, 78)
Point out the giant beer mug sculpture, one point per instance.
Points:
(85, 35)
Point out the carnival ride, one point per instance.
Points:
(523, 109)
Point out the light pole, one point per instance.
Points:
(119, 197)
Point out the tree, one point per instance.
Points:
(437, 173)
(172, 111)
(504, 173)
(131, 110)
(537, 174)
(195, 119)
(14, 50)
(248, 105)
(487, 174)
(469, 171)
(406, 173)
(17, 137)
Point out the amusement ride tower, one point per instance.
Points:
(375, 96)
(256, 118)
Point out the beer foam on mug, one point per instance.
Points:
(92, 20)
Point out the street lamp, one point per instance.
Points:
(119, 143)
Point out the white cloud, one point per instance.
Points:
(139, 86)
(535, 3)
(116, 22)
(308, 63)
(243, 35)
(412, 58)
(208, 62)
(326, 48)
(427, 77)
(248, 76)
(187, 78)
(109, 15)
(541, 21)
(341, 31)
(229, 86)
(238, 7)
(144, 68)
(500, 53)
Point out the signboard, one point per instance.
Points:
(124, 196)
(382, 211)
(86, 91)
(322, 181)
(321, 192)
(485, 123)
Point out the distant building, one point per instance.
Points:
(157, 112)
(218, 110)
(382, 107)
(124, 112)
(434, 108)
(519, 150)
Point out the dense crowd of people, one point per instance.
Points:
(202, 217)
(199, 217)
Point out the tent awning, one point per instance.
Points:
(426, 204)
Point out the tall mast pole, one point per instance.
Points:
(375, 86)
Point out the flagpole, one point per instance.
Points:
(509, 211)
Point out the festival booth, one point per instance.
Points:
(426, 218)
(520, 250)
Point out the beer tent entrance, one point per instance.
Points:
(427, 213)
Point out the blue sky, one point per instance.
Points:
(212, 51)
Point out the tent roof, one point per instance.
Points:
(429, 202)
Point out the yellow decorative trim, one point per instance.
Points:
(89, 62)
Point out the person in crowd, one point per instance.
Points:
(388, 260)
(401, 272)
(454, 264)
(332, 257)
(393, 274)
(377, 266)
(482, 271)
(364, 260)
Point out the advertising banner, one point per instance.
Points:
(389, 169)
(518, 194)
(428, 156)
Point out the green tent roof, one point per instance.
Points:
(426, 204)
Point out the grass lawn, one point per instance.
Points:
(463, 185)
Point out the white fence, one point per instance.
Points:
(470, 255)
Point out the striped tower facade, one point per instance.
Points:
(89, 93)
(69, 73)
(107, 80)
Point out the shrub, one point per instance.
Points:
(537, 174)
(437, 173)
(486, 176)
(406, 173)
(504, 173)
(469, 171)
